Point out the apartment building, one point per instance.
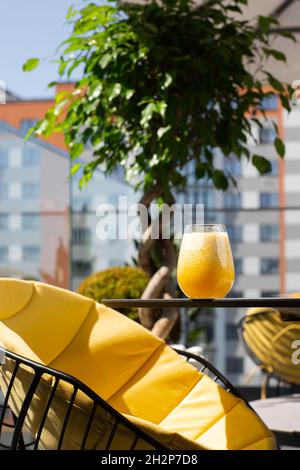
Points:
(263, 222)
(41, 211)
(262, 216)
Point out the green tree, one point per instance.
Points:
(163, 84)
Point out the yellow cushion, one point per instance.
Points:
(48, 322)
(14, 297)
(107, 351)
(157, 387)
(136, 372)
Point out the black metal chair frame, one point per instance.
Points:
(18, 440)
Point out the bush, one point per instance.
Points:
(126, 282)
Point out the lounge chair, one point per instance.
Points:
(77, 374)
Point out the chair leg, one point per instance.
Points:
(22, 445)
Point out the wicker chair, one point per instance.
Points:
(14, 428)
(77, 374)
(268, 340)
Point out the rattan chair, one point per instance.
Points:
(14, 432)
(268, 341)
(77, 374)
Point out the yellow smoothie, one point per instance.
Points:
(205, 265)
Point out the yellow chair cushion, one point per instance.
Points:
(136, 372)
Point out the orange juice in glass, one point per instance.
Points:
(205, 265)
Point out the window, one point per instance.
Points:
(210, 217)
(269, 266)
(113, 199)
(233, 166)
(31, 221)
(269, 103)
(269, 293)
(81, 203)
(275, 165)
(31, 253)
(235, 294)
(269, 233)
(235, 233)
(238, 264)
(114, 262)
(30, 157)
(232, 332)
(269, 200)
(3, 190)
(3, 159)
(81, 236)
(205, 197)
(189, 172)
(81, 268)
(31, 190)
(234, 365)
(232, 200)
(27, 124)
(267, 135)
(3, 221)
(3, 254)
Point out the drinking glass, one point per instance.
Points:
(205, 267)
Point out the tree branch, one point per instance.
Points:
(153, 290)
(164, 325)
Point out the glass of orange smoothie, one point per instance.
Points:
(205, 267)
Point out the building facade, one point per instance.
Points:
(262, 216)
(47, 224)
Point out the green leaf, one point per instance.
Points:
(42, 127)
(31, 64)
(285, 102)
(220, 180)
(278, 55)
(161, 108)
(76, 150)
(104, 61)
(200, 170)
(162, 131)
(276, 84)
(168, 81)
(287, 35)
(129, 93)
(29, 133)
(264, 23)
(262, 164)
(71, 12)
(115, 91)
(75, 168)
(280, 147)
(147, 114)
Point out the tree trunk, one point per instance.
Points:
(160, 284)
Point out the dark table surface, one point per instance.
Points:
(288, 306)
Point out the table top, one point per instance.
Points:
(286, 305)
(281, 414)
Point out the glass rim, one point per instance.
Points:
(194, 227)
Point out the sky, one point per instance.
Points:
(31, 28)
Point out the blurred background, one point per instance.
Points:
(48, 225)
